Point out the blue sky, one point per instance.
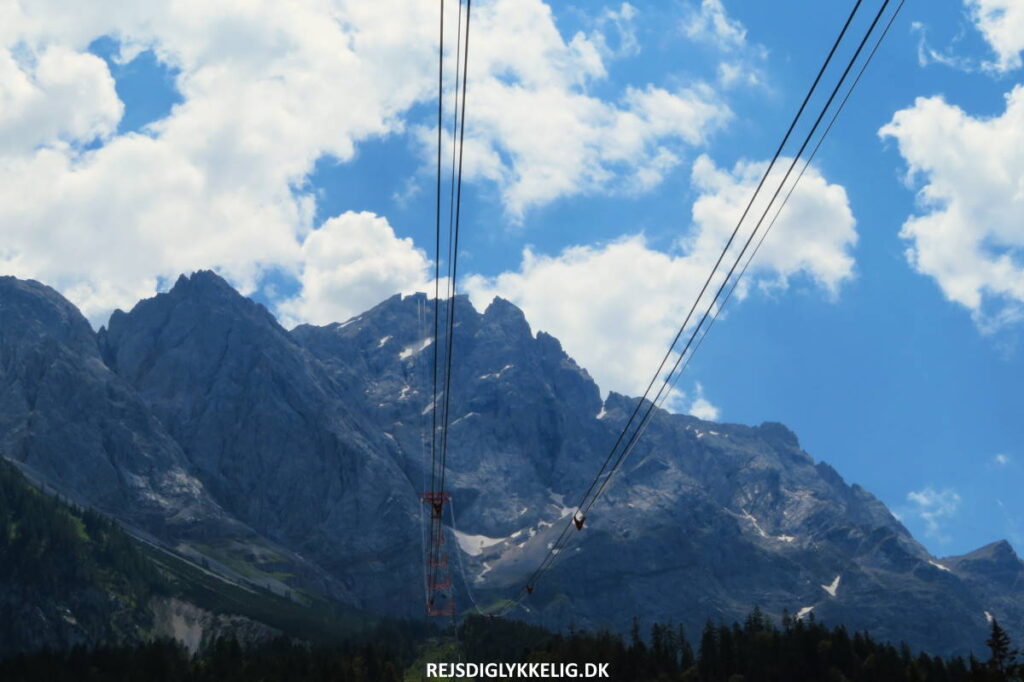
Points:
(297, 161)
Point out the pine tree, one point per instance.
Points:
(686, 657)
(1003, 661)
(708, 657)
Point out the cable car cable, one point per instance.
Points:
(560, 542)
(746, 245)
(714, 270)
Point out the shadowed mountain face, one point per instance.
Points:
(317, 440)
(68, 418)
(282, 445)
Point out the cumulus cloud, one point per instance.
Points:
(1002, 24)
(814, 235)
(54, 95)
(616, 305)
(538, 134)
(701, 407)
(1001, 460)
(351, 263)
(934, 507)
(267, 88)
(967, 236)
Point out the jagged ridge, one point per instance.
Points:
(314, 438)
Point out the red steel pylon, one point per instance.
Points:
(440, 600)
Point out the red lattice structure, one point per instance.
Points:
(436, 502)
(440, 600)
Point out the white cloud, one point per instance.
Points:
(351, 263)
(616, 306)
(934, 507)
(55, 94)
(710, 23)
(535, 131)
(1002, 24)
(1001, 460)
(814, 234)
(266, 87)
(619, 22)
(926, 54)
(969, 171)
(734, 73)
(701, 407)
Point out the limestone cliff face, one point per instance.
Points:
(196, 628)
(70, 419)
(280, 444)
(316, 440)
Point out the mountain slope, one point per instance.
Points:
(74, 577)
(278, 442)
(67, 417)
(66, 578)
(705, 520)
(314, 444)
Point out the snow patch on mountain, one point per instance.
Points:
(760, 531)
(497, 375)
(831, 589)
(475, 545)
(414, 349)
(464, 417)
(559, 501)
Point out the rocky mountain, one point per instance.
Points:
(280, 443)
(68, 417)
(304, 452)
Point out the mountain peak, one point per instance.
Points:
(31, 309)
(499, 305)
(779, 433)
(203, 282)
(508, 315)
(203, 290)
(999, 552)
(995, 564)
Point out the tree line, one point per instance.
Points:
(756, 650)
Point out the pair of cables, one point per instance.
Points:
(441, 378)
(646, 406)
